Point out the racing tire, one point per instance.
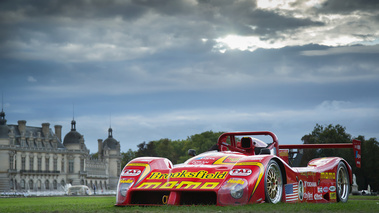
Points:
(342, 183)
(273, 183)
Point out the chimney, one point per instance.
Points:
(45, 130)
(100, 146)
(22, 126)
(58, 132)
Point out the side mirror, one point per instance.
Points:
(192, 152)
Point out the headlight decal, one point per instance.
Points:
(260, 175)
(145, 172)
(234, 191)
(125, 186)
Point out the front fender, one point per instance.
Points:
(135, 172)
(247, 175)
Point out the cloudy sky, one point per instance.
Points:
(170, 69)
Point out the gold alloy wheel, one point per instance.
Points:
(274, 183)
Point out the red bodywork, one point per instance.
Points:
(235, 176)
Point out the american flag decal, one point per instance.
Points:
(292, 192)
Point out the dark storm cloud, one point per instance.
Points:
(57, 20)
(244, 18)
(349, 6)
(74, 9)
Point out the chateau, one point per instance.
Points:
(36, 158)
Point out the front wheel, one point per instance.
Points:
(273, 183)
(343, 183)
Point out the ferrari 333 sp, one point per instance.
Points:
(243, 170)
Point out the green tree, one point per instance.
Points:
(200, 142)
(325, 135)
(146, 149)
(165, 148)
(368, 173)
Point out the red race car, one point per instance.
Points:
(242, 170)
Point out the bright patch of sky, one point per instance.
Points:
(332, 33)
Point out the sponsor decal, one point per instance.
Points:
(319, 189)
(240, 172)
(333, 196)
(236, 181)
(199, 162)
(178, 185)
(308, 195)
(318, 197)
(283, 152)
(328, 175)
(227, 160)
(301, 190)
(291, 191)
(357, 150)
(308, 174)
(202, 174)
(332, 188)
(310, 184)
(126, 181)
(131, 172)
(326, 189)
(233, 182)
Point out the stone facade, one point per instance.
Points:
(36, 158)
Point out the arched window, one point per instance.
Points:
(39, 184)
(31, 184)
(22, 184)
(47, 183)
(63, 184)
(55, 184)
(11, 184)
(82, 182)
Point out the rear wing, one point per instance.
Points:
(356, 145)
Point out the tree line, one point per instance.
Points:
(177, 150)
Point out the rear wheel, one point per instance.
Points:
(343, 183)
(273, 183)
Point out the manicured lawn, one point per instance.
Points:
(106, 204)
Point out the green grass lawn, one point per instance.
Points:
(106, 204)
